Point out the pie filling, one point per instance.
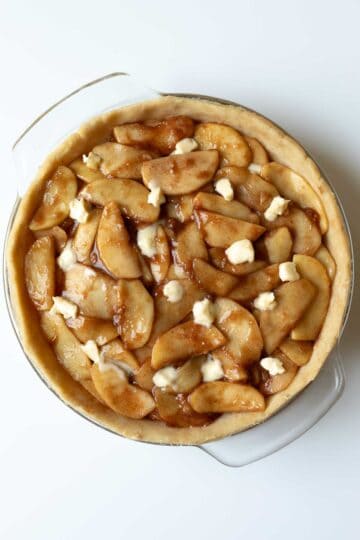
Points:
(178, 272)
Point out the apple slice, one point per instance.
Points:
(143, 354)
(113, 244)
(94, 292)
(169, 314)
(223, 397)
(131, 196)
(180, 207)
(189, 244)
(212, 280)
(115, 353)
(144, 376)
(259, 154)
(91, 329)
(298, 352)
(222, 231)
(244, 341)
(40, 272)
(59, 191)
(56, 232)
(232, 146)
(136, 314)
(233, 209)
(121, 161)
(232, 370)
(85, 173)
(147, 276)
(84, 237)
(160, 263)
(250, 188)
(305, 232)
(184, 340)
(323, 255)
(272, 384)
(309, 326)
(189, 375)
(219, 259)
(176, 411)
(181, 174)
(278, 245)
(66, 346)
(122, 397)
(294, 187)
(158, 136)
(250, 286)
(292, 300)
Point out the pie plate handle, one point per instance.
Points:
(66, 115)
(288, 424)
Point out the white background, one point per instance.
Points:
(298, 63)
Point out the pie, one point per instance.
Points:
(179, 270)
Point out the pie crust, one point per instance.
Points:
(283, 149)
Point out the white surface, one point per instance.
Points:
(297, 62)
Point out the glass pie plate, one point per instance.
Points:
(59, 121)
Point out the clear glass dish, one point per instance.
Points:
(54, 125)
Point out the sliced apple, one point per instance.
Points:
(40, 272)
(309, 326)
(85, 173)
(159, 136)
(223, 397)
(212, 280)
(219, 259)
(298, 352)
(84, 237)
(180, 207)
(278, 245)
(189, 244)
(181, 174)
(56, 232)
(250, 188)
(250, 286)
(323, 255)
(189, 375)
(136, 314)
(143, 354)
(294, 187)
(292, 300)
(176, 411)
(131, 196)
(122, 397)
(144, 376)
(121, 161)
(94, 292)
(233, 209)
(147, 276)
(169, 314)
(305, 232)
(115, 352)
(233, 148)
(222, 231)
(59, 191)
(244, 340)
(114, 246)
(259, 154)
(66, 346)
(272, 384)
(184, 340)
(91, 329)
(233, 371)
(161, 261)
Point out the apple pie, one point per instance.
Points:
(179, 270)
